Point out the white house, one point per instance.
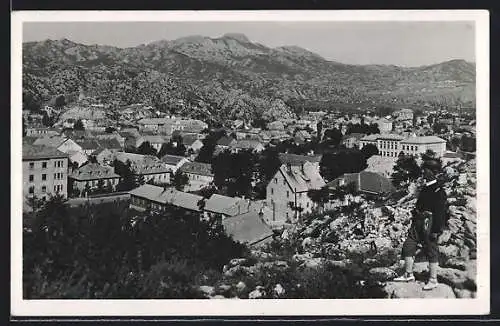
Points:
(200, 175)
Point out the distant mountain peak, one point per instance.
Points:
(238, 37)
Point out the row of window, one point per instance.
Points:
(57, 164)
(390, 154)
(410, 147)
(57, 176)
(57, 188)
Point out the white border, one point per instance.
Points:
(479, 305)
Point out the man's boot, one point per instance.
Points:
(408, 275)
(433, 282)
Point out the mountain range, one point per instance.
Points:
(232, 76)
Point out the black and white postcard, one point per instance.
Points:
(250, 163)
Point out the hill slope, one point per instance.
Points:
(230, 74)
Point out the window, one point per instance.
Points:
(44, 165)
(272, 191)
(60, 187)
(284, 182)
(44, 188)
(31, 178)
(275, 180)
(287, 194)
(32, 165)
(31, 189)
(44, 177)
(56, 176)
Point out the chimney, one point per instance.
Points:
(289, 167)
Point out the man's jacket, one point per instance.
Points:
(433, 199)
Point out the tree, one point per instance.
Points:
(332, 137)
(406, 170)
(60, 101)
(128, 180)
(369, 150)
(319, 196)
(268, 164)
(78, 125)
(180, 180)
(100, 187)
(109, 130)
(333, 165)
(146, 149)
(209, 144)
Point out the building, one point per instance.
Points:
(276, 125)
(41, 131)
(352, 140)
(160, 198)
(295, 159)
(147, 166)
(45, 171)
(225, 142)
(419, 145)
(90, 176)
(387, 144)
(77, 158)
(370, 183)
(286, 193)
(247, 144)
(104, 156)
(384, 125)
(224, 206)
(155, 141)
(403, 114)
(200, 175)
(191, 143)
(88, 146)
(174, 162)
(60, 143)
(248, 228)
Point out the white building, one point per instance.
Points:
(419, 145)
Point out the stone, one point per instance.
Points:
(399, 290)
(241, 286)
(237, 261)
(449, 251)
(456, 278)
(314, 262)
(382, 243)
(279, 290)
(370, 262)
(224, 287)
(456, 264)
(256, 294)
(444, 237)
(218, 296)
(307, 242)
(382, 273)
(207, 290)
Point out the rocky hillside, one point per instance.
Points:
(363, 238)
(230, 74)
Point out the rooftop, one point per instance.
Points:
(295, 159)
(38, 152)
(226, 205)
(424, 140)
(169, 196)
(247, 228)
(172, 159)
(94, 171)
(197, 168)
(302, 179)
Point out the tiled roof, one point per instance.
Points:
(94, 171)
(154, 139)
(172, 159)
(169, 196)
(226, 205)
(110, 143)
(197, 168)
(296, 159)
(225, 141)
(88, 144)
(247, 144)
(142, 164)
(188, 140)
(424, 140)
(51, 141)
(247, 228)
(35, 152)
(302, 179)
(353, 135)
(390, 137)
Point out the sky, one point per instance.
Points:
(397, 43)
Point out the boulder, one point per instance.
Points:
(306, 243)
(449, 251)
(398, 290)
(207, 290)
(455, 263)
(444, 237)
(241, 286)
(370, 262)
(456, 278)
(382, 274)
(218, 296)
(382, 244)
(279, 290)
(257, 293)
(237, 261)
(314, 262)
(224, 287)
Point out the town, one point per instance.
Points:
(260, 174)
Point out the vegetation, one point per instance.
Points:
(335, 164)
(406, 170)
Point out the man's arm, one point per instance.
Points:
(439, 214)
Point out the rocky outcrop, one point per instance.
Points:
(397, 290)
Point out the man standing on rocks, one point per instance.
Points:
(427, 224)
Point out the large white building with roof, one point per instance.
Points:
(286, 193)
(159, 198)
(387, 144)
(419, 145)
